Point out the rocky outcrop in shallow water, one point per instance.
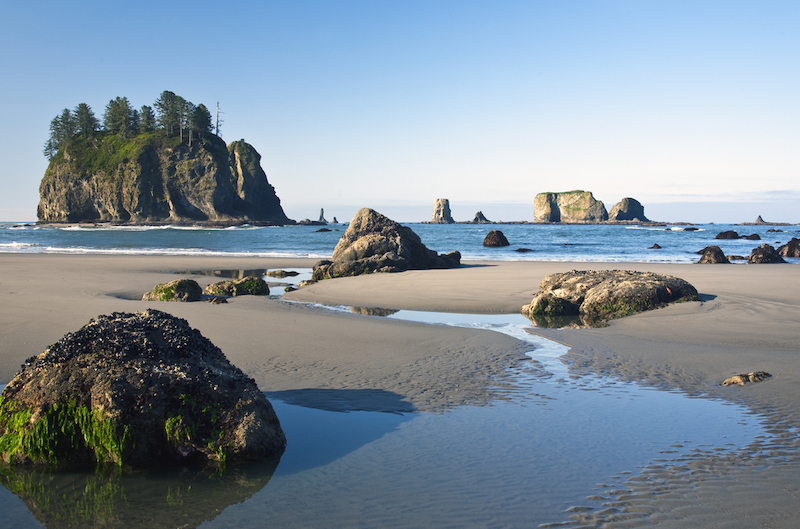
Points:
(605, 294)
(374, 243)
(790, 249)
(713, 255)
(135, 390)
(628, 209)
(441, 212)
(495, 239)
(765, 254)
(572, 206)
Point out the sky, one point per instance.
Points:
(691, 107)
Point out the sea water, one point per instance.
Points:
(528, 242)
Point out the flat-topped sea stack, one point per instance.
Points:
(578, 207)
(374, 243)
(156, 179)
(628, 209)
(441, 212)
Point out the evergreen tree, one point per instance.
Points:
(62, 129)
(85, 121)
(118, 117)
(201, 119)
(169, 108)
(147, 120)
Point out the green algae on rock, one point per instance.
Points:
(597, 295)
(134, 390)
(246, 286)
(177, 290)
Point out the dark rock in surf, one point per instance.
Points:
(790, 249)
(765, 254)
(730, 234)
(713, 255)
(495, 239)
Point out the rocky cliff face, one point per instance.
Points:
(441, 212)
(155, 179)
(572, 206)
(628, 209)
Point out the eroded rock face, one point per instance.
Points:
(135, 390)
(495, 239)
(713, 255)
(765, 254)
(158, 182)
(374, 243)
(441, 212)
(480, 218)
(605, 294)
(628, 209)
(790, 249)
(572, 206)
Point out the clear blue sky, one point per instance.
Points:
(392, 104)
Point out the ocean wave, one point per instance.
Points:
(198, 252)
(17, 245)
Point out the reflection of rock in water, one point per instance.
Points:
(372, 311)
(178, 498)
(581, 321)
(229, 274)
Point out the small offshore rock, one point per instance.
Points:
(495, 239)
(656, 246)
(756, 376)
(753, 237)
(250, 285)
(523, 250)
(713, 255)
(479, 218)
(765, 254)
(730, 234)
(177, 290)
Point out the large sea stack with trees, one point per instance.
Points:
(155, 165)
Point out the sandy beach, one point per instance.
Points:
(746, 321)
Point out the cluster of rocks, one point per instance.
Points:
(597, 295)
(135, 390)
(190, 290)
(764, 254)
(375, 243)
(730, 234)
(582, 207)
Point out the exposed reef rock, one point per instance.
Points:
(572, 206)
(790, 249)
(135, 390)
(480, 219)
(712, 255)
(628, 209)
(765, 254)
(755, 376)
(154, 179)
(177, 290)
(246, 286)
(730, 234)
(595, 296)
(495, 239)
(374, 243)
(441, 212)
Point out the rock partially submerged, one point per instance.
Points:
(495, 239)
(135, 390)
(790, 249)
(374, 243)
(628, 209)
(756, 376)
(597, 295)
(177, 290)
(713, 255)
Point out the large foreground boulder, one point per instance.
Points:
(135, 390)
(605, 294)
(374, 243)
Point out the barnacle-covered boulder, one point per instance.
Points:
(135, 390)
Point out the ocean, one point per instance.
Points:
(538, 242)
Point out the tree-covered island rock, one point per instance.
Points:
(152, 167)
(134, 390)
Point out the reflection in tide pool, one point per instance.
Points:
(516, 463)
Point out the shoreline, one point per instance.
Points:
(746, 321)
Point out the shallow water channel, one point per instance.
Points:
(550, 450)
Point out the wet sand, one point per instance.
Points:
(747, 321)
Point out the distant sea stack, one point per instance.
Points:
(441, 212)
(155, 179)
(628, 209)
(572, 206)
